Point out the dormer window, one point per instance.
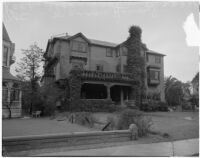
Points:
(5, 56)
(79, 46)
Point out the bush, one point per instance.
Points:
(163, 106)
(84, 118)
(96, 106)
(154, 106)
(128, 117)
(113, 123)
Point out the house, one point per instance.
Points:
(104, 67)
(195, 85)
(11, 95)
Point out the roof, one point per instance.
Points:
(7, 75)
(154, 53)
(100, 43)
(196, 78)
(92, 41)
(5, 34)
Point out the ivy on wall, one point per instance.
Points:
(75, 88)
(136, 63)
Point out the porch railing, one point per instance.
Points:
(96, 75)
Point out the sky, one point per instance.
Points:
(162, 25)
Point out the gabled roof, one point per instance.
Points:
(98, 42)
(5, 34)
(91, 41)
(7, 75)
(154, 53)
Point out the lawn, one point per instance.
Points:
(178, 125)
(39, 126)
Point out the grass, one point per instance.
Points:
(168, 126)
(39, 126)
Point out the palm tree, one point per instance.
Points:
(173, 91)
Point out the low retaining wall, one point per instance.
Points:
(24, 143)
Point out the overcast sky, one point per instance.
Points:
(161, 22)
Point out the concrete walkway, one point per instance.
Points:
(177, 148)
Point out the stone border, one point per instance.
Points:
(34, 142)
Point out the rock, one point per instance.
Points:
(134, 131)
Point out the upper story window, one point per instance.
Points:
(125, 69)
(5, 56)
(154, 75)
(118, 68)
(109, 52)
(117, 53)
(124, 51)
(99, 67)
(79, 46)
(157, 59)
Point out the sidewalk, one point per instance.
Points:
(176, 148)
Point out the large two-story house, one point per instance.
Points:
(104, 67)
(11, 95)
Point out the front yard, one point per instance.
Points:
(178, 125)
(39, 126)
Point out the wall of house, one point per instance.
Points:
(11, 47)
(160, 87)
(98, 56)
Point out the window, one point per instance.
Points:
(79, 46)
(5, 55)
(5, 94)
(157, 59)
(125, 69)
(109, 52)
(117, 53)
(124, 51)
(118, 68)
(14, 94)
(99, 67)
(154, 75)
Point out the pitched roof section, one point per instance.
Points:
(7, 75)
(154, 53)
(5, 34)
(92, 41)
(103, 43)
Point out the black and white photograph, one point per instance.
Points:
(100, 79)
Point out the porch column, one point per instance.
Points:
(108, 92)
(121, 96)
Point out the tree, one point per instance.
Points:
(173, 91)
(136, 63)
(28, 70)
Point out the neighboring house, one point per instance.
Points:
(195, 85)
(103, 64)
(11, 85)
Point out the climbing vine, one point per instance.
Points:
(136, 63)
(75, 88)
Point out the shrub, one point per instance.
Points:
(113, 123)
(128, 117)
(163, 106)
(84, 118)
